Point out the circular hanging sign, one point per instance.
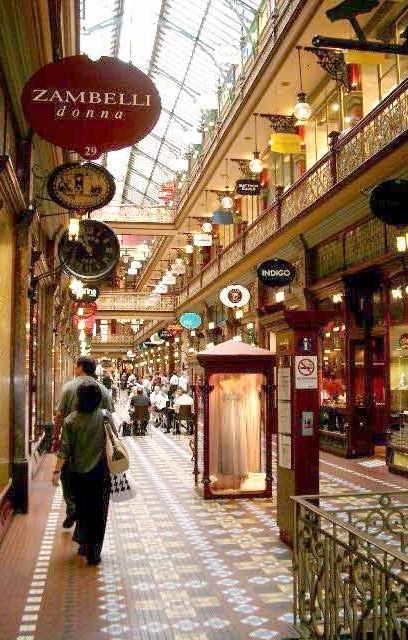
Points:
(190, 320)
(235, 296)
(81, 186)
(90, 294)
(276, 273)
(388, 202)
(91, 107)
(94, 255)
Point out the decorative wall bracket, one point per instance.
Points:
(333, 62)
(280, 123)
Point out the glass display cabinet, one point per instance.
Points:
(234, 433)
(397, 450)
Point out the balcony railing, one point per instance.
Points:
(135, 215)
(135, 303)
(124, 340)
(350, 566)
(382, 130)
(268, 40)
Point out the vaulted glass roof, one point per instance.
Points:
(186, 47)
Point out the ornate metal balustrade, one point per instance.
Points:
(132, 214)
(269, 40)
(136, 303)
(378, 133)
(350, 566)
(121, 340)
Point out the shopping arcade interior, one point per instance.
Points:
(158, 232)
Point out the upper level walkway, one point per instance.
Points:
(174, 567)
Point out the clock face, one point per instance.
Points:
(94, 255)
(81, 186)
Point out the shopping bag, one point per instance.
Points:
(123, 487)
(116, 453)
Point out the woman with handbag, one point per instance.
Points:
(84, 443)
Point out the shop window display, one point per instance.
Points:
(235, 421)
(399, 394)
(333, 388)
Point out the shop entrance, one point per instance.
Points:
(354, 398)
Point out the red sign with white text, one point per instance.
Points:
(91, 107)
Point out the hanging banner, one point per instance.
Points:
(248, 187)
(235, 296)
(91, 107)
(276, 273)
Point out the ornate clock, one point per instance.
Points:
(94, 255)
(86, 186)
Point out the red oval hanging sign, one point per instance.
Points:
(91, 107)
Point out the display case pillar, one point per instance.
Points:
(298, 413)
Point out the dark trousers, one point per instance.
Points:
(67, 490)
(92, 493)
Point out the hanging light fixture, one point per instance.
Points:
(227, 202)
(135, 264)
(189, 246)
(222, 217)
(73, 229)
(207, 227)
(302, 110)
(256, 165)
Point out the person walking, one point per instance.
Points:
(84, 372)
(83, 444)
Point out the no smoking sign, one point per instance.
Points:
(306, 372)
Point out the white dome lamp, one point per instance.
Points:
(207, 227)
(302, 110)
(255, 164)
(226, 202)
(189, 248)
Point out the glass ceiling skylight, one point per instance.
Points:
(182, 45)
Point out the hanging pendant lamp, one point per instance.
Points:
(302, 110)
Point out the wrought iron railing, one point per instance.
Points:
(123, 340)
(135, 215)
(135, 303)
(350, 566)
(378, 133)
(268, 40)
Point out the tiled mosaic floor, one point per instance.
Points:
(174, 567)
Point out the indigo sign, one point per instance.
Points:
(276, 273)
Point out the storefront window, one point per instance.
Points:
(399, 384)
(333, 364)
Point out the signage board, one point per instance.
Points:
(248, 187)
(202, 239)
(190, 320)
(306, 372)
(276, 273)
(165, 334)
(235, 296)
(388, 202)
(91, 106)
(84, 187)
(90, 294)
